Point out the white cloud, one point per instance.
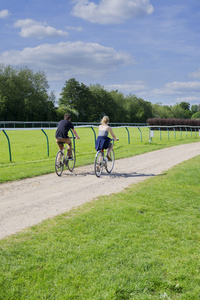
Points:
(4, 13)
(111, 11)
(188, 91)
(183, 86)
(74, 28)
(68, 59)
(33, 29)
(127, 88)
(184, 89)
(196, 74)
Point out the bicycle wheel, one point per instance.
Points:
(59, 163)
(98, 164)
(71, 163)
(110, 163)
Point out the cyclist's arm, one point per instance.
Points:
(74, 131)
(112, 133)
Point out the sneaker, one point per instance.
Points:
(70, 158)
(109, 158)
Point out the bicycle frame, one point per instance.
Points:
(102, 161)
(62, 160)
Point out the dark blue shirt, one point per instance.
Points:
(63, 128)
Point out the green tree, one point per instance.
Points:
(103, 103)
(12, 102)
(120, 106)
(194, 109)
(137, 109)
(178, 112)
(186, 108)
(24, 96)
(185, 105)
(76, 99)
(161, 111)
(196, 115)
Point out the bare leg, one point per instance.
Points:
(109, 150)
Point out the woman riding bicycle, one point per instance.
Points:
(103, 141)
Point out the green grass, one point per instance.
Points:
(140, 244)
(29, 149)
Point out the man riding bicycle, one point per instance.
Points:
(62, 134)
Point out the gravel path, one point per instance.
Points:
(27, 202)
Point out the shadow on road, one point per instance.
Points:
(105, 174)
(127, 175)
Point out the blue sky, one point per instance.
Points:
(147, 48)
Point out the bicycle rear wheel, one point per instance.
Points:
(59, 163)
(110, 163)
(71, 163)
(98, 164)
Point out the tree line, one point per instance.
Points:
(25, 96)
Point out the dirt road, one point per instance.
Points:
(27, 202)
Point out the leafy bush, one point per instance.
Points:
(181, 123)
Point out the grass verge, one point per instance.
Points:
(140, 244)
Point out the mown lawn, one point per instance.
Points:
(140, 244)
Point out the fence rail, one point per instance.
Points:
(151, 129)
(41, 124)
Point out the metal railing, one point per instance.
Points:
(41, 124)
(127, 128)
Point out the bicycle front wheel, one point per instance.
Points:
(71, 163)
(98, 164)
(110, 163)
(59, 163)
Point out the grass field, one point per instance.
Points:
(29, 148)
(141, 244)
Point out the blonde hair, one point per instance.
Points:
(105, 120)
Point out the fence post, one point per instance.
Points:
(150, 138)
(140, 133)
(181, 132)
(168, 133)
(186, 131)
(94, 135)
(8, 145)
(191, 130)
(47, 141)
(160, 132)
(195, 132)
(128, 135)
(174, 132)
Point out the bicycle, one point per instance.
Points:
(62, 160)
(101, 162)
